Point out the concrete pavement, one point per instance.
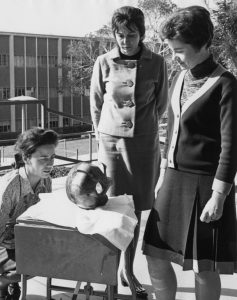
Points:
(36, 288)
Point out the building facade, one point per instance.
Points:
(32, 65)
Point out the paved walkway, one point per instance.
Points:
(37, 285)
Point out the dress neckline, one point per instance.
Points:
(203, 69)
(132, 57)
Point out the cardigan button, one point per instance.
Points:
(127, 123)
(129, 83)
(131, 65)
(128, 103)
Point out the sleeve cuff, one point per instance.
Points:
(164, 163)
(221, 187)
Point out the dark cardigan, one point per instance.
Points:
(206, 130)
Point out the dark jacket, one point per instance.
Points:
(202, 138)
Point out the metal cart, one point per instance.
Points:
(46, 250)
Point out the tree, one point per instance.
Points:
(155, 12)
(105, 32)
(225, 39)
(81, 56)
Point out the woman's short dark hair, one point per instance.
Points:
(28, 142)
(191, 25)
(128, 16)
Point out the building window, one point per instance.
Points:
(30, 61)
(53, 61)
(19, 91)
(5, 126)
(42, 61)
(4, 93)
(30, 91)
(4, 60)
(66, 122)
(43, 92)
(53, 92)
(53, 122)
(19, 61)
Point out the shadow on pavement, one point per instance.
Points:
(61, 296)
(224, 292)
(34, 297)
(229, 292)
(191, 290)
(149, 289)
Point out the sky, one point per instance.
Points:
(63, 17)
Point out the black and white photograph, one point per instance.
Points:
(118, 149)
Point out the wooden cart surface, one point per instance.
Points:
(43, 249)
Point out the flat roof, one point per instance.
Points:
(51, 36)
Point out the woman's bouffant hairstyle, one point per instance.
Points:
(191, 25)
(28, 142)
(128, 16)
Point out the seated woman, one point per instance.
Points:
(35, 152)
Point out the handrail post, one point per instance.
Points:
(65, 147)
(23, 127)
(42, 116)
(90, 146)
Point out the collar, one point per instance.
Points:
(145, 54)
(26, 186)
(203, 69)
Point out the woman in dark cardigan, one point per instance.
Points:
(193, 220)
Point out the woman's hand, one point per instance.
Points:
(160, 181)
(214, 208)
